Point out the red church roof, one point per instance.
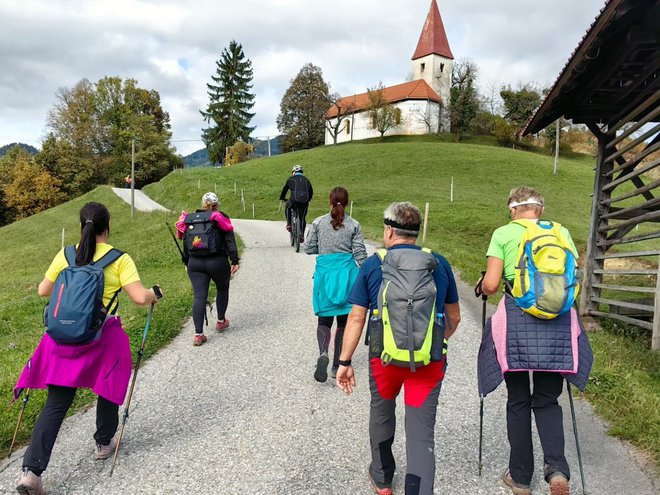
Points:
(413, 90)
(433, 38)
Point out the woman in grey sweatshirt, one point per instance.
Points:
(337, 239)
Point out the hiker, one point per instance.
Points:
(301, 194)
(516, 342)
(128, 181)
(337, 239)
(428, 311)
(208, 240)
(102, 363)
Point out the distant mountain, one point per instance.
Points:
(200, 158)
(6, 148)
(261, 146)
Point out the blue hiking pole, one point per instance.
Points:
(577, 441)
(130, 392)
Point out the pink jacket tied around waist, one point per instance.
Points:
(103, 365)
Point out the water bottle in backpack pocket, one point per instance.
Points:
(439, 343)
(375, 332)
(75, 312)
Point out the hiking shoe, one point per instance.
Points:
(558, 484)
(199, 339)
(221, 326)
(516, 488)
(288, 227)
(30, 483)
(104, 452)
(333, 371)
(321, 373)
(386, 490)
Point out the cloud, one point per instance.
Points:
(171, 46)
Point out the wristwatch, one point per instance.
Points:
(344, 363)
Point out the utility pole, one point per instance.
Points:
(132, 178)
(557, 148)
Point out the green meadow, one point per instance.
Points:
(625, 387)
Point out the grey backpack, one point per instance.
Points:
(406, 305)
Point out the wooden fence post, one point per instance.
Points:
(426, 221)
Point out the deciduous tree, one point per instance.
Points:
(464, 103)
(344, 108)
(230, 101)
(382, 115)
(302, 109)
(519, 105)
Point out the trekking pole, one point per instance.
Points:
(577, 441)
(478, 291)
(130, 392)
(26, 398)
(175, 241)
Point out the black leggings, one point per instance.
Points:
(323, 334)
(201, 271)
(48, 425)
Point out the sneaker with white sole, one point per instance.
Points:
(516, 488)
(559, 484)
(30, 484)
(104, 452)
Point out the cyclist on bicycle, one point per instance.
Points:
(301, 194)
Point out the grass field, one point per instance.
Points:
(375, 174)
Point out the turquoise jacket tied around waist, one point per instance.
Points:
(333, 280)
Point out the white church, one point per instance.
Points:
(423, 102)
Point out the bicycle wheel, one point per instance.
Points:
(296, 235)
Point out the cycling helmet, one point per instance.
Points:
(210, 198)
(296, 169)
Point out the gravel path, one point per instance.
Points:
(142, 201)
(243, 415)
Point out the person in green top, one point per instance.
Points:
(527, 203)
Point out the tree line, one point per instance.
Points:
(90, 133)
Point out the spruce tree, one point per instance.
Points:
(228, 113)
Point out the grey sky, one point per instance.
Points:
(171, 46)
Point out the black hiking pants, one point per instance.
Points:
(549, 423)
(48, 425)
(201, 271)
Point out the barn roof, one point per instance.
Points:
(615, 67)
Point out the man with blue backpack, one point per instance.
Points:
(535, 329)
(412, 300)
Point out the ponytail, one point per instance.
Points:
(94, 220)
(338, 201)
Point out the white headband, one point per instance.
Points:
(515, 204)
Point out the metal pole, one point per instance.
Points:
(26, 398)
(132, 178)
(557, 149)
(268, 139)
(577, 441)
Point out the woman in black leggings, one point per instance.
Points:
(209, 247)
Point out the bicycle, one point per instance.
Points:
(296, 228)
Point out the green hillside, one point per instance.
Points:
(377, 174)
(625, 385)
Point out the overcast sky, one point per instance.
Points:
(172, 45)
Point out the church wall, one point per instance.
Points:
(413, 114)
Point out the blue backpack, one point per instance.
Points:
(75, 311)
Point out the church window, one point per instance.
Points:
(423, 65)
(442, 68)
(347, 127)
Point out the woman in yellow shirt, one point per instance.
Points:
(104, 364)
